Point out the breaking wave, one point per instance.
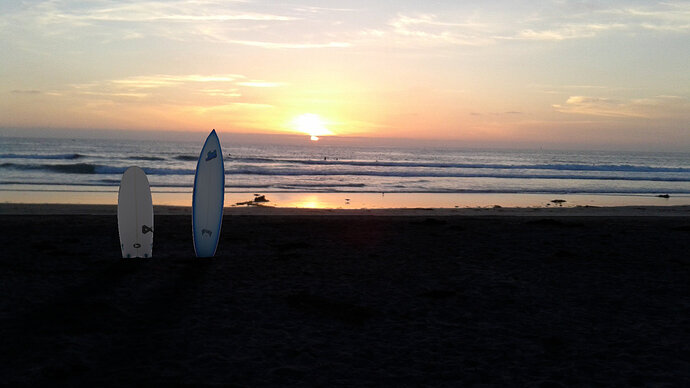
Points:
(30, 156)
(496, 166)
(88, 168)
(440, 173)
(503, 173)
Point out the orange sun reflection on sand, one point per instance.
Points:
(307, 201)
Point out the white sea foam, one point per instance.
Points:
(315, 168)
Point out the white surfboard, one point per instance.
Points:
(207, 201)
(135, 214)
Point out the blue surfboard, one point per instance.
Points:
(208, 197)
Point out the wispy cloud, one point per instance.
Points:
(161, 80)
(430, 29)
(229, 107)
(226, 93)
(284, 26)
(583, 89)
(572, 31)
(26, 92)
(650, 107)
(321, 10)
(164, 89)
(171, 100)
(560, 21)
(572, 23)
(664, 16)
(230, 22)
(261, 84)
(295, 45)
(506, 113)
(150, 11)
(596, 106)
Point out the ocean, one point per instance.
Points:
(68, 167)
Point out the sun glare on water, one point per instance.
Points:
(311, 124)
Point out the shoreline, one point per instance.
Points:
(163, 196)
(572, 211)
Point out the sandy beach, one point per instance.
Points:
(296, 297)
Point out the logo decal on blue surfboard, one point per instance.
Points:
(211, 155)
(206, 231)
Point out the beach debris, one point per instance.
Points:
(664, 196)
(559, 202)
(259, 200)
(347, 201)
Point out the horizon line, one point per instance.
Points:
(330, 140)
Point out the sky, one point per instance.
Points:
(596, 74)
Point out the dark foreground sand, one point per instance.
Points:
(544, 300)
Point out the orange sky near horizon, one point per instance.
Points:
(559, 73)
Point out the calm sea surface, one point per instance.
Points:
(95, 165)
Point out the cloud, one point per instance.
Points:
(320, 10)
(510, 112)
(574, 23)
(261, 84)
(229, 93)
(429, 29)
(558, 21)
(230, 107)
(650, 107)
(227, 22)
(258, 24)
(275, 45)
(166, 100)
(573, 31)
(665, 16)
(26, 92)
(57, 12)
(435, 30)
(165, 89)
(596, 106)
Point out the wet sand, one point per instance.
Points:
(455, 297)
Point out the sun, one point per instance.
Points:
(311, 124)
